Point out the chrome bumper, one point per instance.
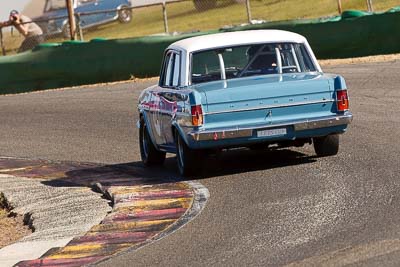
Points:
(229, 133)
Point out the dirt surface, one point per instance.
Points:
(12, 226)
(358, 60)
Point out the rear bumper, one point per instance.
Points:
(248, 132)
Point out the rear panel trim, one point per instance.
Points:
(324, 101)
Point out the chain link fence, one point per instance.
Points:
(133, 18)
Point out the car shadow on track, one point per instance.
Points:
(245, 160)
(135, 173)
(124, 174)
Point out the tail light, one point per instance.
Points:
(342, 100)
(197, 115)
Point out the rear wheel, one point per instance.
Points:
(148, 152)
(125, 15)
(327, 145)
(189, 160)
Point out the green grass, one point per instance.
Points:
(183, 17)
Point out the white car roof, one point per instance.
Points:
(225, 39)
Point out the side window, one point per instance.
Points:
(171, 74)
(168, 69)
(177, 70)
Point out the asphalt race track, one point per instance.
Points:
(265, 208)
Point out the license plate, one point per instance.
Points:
(273, 132)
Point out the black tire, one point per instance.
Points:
(189, 161)
(202, 5)
(148, 152)
(125, 15)
(327, 145)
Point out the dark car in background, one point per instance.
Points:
(54, 19)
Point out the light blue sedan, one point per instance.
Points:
(240, 89)
(55, 9)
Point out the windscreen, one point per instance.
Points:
(250, 60)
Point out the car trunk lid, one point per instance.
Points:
(271, 99)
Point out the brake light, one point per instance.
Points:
(342, 100)
(197, 115)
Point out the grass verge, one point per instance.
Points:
(359, 60)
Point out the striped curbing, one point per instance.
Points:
(142, 213)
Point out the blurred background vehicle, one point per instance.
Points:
(54, 18)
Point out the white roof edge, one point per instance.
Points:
(210, 41)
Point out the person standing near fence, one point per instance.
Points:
(31, 31)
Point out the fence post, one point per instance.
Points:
(1, 42)
(71, 19)
(164, 7)
(369, 5)
(339, 6)
(248, 10)
(78, 26)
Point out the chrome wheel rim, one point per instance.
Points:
(125, 15)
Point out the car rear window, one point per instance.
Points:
(250, 60)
